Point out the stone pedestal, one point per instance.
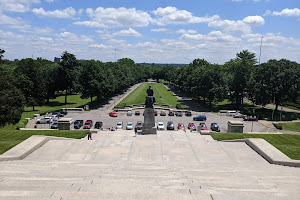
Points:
(235, 127)
(149, 121)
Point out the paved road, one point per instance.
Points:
(101, 114)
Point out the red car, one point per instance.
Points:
(190, 125)
(193, 127)
(203, 126)
(113, 114)
(88, 124)
(180, 126)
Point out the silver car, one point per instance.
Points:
(44, 120)
(119, 125)
(129, 126)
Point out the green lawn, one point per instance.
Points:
(295, 126)
(162, 95)
(10, 138)
(288, 144)
(57, 104)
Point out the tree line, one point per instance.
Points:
(275, 81)
(31, 83)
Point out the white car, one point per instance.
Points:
(129, 113)
(44, 120)
(238, 115)
(119, 125)
(231, 112)
(129, 126)
(160, 126)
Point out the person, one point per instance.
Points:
(135, 130)
(89, 135)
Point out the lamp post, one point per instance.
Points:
(260, 49)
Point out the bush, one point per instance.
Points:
(278, 126)
(121, 105)
(181, 106)
(20, 124)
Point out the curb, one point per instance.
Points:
(28, 146)
(268, 152)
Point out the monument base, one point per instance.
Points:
(149, 121)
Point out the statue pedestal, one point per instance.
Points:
(149, 121)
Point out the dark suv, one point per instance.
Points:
(170, 125)
(98, 125)
(78, 124)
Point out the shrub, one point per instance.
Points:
(278, 126)
(121, 105)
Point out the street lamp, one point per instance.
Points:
(260, 49)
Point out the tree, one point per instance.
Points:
(11, 99)
(29, 80)
(67, 73)
(89, 79)
(247, 56)
(1, 55)
(275, 81)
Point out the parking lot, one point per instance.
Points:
(108, 122)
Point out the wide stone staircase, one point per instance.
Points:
(169, 165)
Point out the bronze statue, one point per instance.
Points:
(150, 99)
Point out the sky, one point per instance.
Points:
(151, 31)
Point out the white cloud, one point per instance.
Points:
(17, 5)
(49, 1)
(160, 30)
(241, 26)
(65, 13)
(182, 31)
(215, 36)
(90, 24)
(98, 46)
(115, 41)
(171, 15)
(129, 32)
(120, 17)
(285, 12)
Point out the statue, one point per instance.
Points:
(150, 91)
(150, 99)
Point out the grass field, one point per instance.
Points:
(11, 138)
(295, 126)
(288, 144)
(162, 95)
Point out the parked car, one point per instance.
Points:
(250, 118)
(231, 112)
(119, 125)
(129, 126)
(179, 113)
(160, 126)
(193, 128)
(98, 124)
(171, 113)
(139, 125)
(78, 124)
(170, 125)
(188, 113)
(137, 112)
(238, 115)
(200, 118)
(64, 112)
(58, 114)
(180, 126)
(190, 124)
(113, 114)
(215, 127)
(44, 120)
(88, 124)
(129, 113)
(54, 125)
(203, 126)
(162, 113)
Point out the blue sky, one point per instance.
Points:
(159, 31)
